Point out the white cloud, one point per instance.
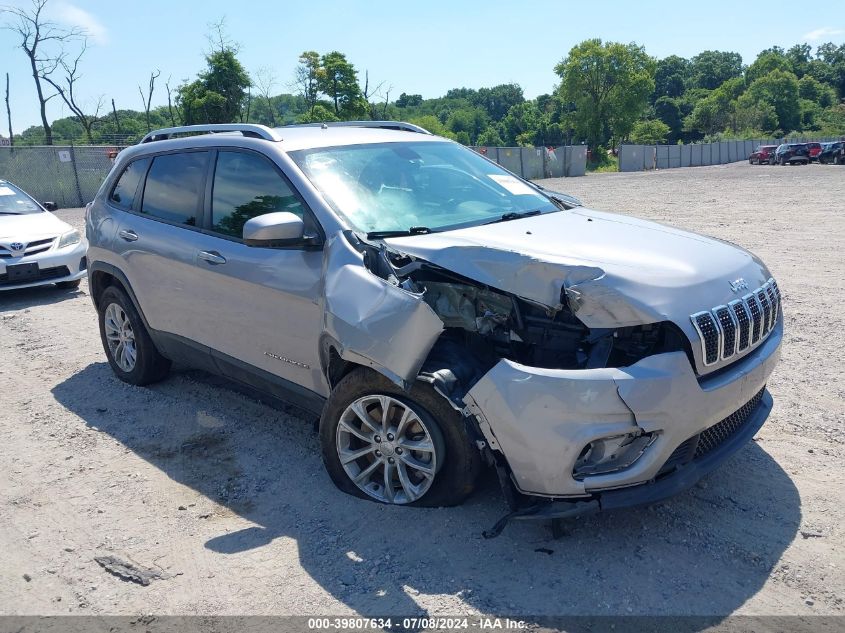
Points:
(824, 32)
(72, 15)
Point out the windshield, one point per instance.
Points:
(13, 201)
(403, 186)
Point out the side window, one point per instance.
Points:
(246, 186)
(123, 194)
(173, 187)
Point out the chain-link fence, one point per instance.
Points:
(67, 175)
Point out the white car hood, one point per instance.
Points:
(614, 270)
(31, 226)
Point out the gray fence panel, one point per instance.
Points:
(576, 160)
(650, 157)
(732, 151)
(675, 156)
(695, 155)
(630, 157)
(509, 158)
(532, 162)
(686, 155)
(662, 155)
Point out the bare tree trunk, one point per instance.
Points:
(149, 98)
(116, 118)
(42, 102)
(169, 103)
(9, 113)
(34, 31)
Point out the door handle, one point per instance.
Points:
(212, 257)
(128, 234)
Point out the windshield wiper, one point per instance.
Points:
(414, 230)
(9, 213)
(514, 215)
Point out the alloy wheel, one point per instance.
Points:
(120, 337)
(389, 450)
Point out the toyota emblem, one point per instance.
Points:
(16, 246)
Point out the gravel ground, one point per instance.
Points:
(224, 502)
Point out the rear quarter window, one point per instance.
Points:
(173, 187)
(123, 194)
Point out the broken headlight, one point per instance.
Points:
(610, 454)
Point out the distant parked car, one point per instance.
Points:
(36, 247)
(813, 150)
(762, 155)
(833, 153)
(791, 154)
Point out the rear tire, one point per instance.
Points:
(433, 425)
(128, 346)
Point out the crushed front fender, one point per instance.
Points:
(371, 321)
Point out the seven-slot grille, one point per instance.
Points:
(727, 330)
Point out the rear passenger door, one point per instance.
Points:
(256, 307)
(156, 239)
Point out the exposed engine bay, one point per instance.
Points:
(492, 324)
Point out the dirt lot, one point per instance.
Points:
(226, 498)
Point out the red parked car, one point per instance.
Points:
(814, 150)
(762, 155)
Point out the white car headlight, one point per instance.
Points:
(69, 238)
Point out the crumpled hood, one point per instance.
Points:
(616, 270)
(31, 226)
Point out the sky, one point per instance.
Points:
(414, 47)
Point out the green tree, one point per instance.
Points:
(670, 112)
(670, 77)
(338, 80)
(652, 132)
(490, 137)
(716, 111)
(432, 124)
(766, 62)
(710, 69)
(521, 124)
(779, 89)
(468, 121)
(833, 57)
(816, 91)
(408, 101)
(306, 78)
(800, 57)
(609, 84)
(498, 100)
(218, 94)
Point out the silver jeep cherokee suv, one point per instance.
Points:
(436, 311)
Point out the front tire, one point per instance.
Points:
(128, 346)
(384, 444)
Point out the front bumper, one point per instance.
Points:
(541, 419)
(52, 264)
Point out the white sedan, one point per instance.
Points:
(36, 247)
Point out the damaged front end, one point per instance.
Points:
(567, 413)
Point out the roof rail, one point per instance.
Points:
(387, 125)
(247, 129)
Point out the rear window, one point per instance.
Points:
(173, 187)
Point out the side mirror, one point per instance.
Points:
(277, 229)
(50, 206)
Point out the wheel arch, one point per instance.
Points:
(102, 275)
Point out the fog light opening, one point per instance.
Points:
(611, 454)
